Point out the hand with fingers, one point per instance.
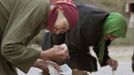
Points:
(43, 65)
(112, 63)
(57, 53)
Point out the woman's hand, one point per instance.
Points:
(112, 63)
(56, 53)
(41, 64)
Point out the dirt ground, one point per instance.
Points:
(121, 53)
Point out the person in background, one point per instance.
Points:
(96, 28)
(133, 62)
(20, 21)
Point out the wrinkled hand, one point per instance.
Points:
(57, 53)
(41, 64)
(112, 63)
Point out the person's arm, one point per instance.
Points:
(106, 59)
(47, 41)
(106, 53)
(23, 25)
(50, 40)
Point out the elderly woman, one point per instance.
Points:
(95, 28)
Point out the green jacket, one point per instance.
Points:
(20, 21)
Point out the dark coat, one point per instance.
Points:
(87, 33)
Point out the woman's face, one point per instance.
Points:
(61, 24)
(110, 37)
(60, 27)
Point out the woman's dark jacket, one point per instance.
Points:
(87, 33)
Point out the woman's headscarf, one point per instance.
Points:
(114, 25)
(69, 10)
